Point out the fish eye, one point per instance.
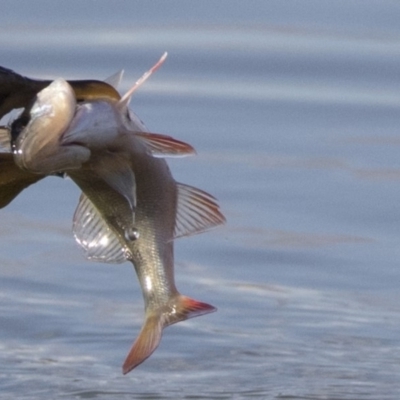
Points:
(131, 234)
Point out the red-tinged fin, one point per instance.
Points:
(147, 341)
(124, 102)
(186, 307)
(197, 211)
(180, 309)
(164, 146)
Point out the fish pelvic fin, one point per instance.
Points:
(179, 309)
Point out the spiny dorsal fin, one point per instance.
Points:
(197, 211)
(159, 145)
(92, 233)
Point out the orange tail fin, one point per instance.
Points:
(151, 332)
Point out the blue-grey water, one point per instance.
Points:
(294, 109)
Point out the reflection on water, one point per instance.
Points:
(295, 120)
(259, 238)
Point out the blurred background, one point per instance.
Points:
(293, 107)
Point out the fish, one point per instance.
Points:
(19, 92)
(131, 208)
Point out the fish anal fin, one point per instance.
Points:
(159, 145)
(197, 211)
(178, 309)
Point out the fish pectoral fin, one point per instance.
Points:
(92, 233)
(115, 79)
(5, 140)
(159, 145)
(197, 211)
(150, 335)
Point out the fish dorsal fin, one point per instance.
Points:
(5, 143)
(92, 233)
(159, 145)
(196, 212)
(117, 173)
(126, 98)
(115, 79)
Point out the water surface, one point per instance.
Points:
(293, 108)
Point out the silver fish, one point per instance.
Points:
(131, 208)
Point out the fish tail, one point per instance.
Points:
(184, 308)
(144, 345)
(180, 309)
